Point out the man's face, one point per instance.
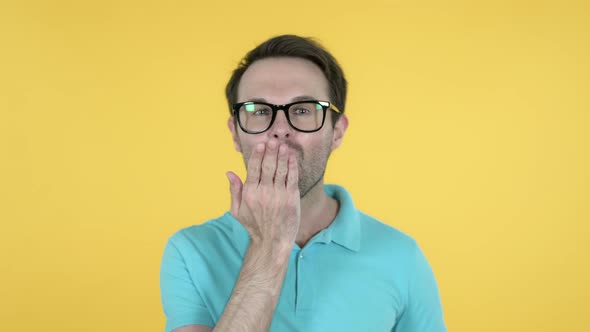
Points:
(281, 81)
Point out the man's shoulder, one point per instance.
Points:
(201, 234)
(377, 231)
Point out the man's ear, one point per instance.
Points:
(339, 130)
(231, 124)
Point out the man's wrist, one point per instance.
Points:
(276, 254)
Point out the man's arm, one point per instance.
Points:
(255, 296)
(193, 328)
(269, 208)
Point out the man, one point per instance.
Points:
(293, 254)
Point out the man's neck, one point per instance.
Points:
(318, 210)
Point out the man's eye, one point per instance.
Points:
(300, 111)
(262, 112)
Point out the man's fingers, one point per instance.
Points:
(293, 175)
(269, 163)
(254, 165)
(282, 166)
(235, 188)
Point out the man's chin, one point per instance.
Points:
(304, 189)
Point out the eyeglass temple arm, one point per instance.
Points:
(332, 106)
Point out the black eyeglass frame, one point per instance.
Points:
(275, 108)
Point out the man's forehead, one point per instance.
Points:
(282, 78)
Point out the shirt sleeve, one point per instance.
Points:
(181, 301)
(423, 311)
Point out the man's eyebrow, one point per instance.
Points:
(300, 98)
(295, 99)
(262, 100)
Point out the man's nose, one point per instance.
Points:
(281, 127)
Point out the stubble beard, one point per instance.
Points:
(311, 177)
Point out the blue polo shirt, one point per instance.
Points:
(358, 274)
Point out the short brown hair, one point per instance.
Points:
(297, 47)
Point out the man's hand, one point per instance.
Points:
(268, 203)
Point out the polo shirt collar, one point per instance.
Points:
(345, 230)
(346, 227)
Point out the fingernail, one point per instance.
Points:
(272, 144)
(260, 147)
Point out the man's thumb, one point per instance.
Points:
(235, 188)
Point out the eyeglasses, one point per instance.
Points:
(306, 116)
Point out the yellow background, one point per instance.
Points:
(468, 130)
